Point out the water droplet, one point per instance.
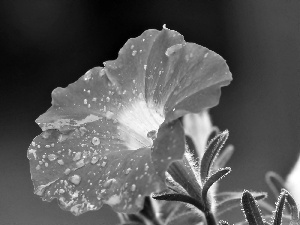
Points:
(128, 171)
(103, 164)
(80, 163)
(109, 114)
(77, 156)
(95, 141)
(47, 146)
(107, 99)
(87, 75)
(102, 72)
(62, 137)
(46, 164)
(46, 134)
(38, 167)
(67, 171)
(61, 191)
(108, 183)
(133, 52)
(52, 157)
(94, 160)
(60, 162)
(75, 179)
(132, 46)
(133, 187)
(146, 167)
(85, 101)
(152, 134)
(205, 55)
(145, 67)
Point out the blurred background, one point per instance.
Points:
(45, 44)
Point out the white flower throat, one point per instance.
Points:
(137, 121)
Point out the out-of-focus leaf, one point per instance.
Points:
(250, 209)
(211, 180)
(211, 153)
(229, 200)
(275, 182)
(187, 218)
(277, 219)
(84, 158)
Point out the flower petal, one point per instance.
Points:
(183, 77)
(168, 147)
(73, 168)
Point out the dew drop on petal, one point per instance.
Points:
(52, 157)
(108, 183)
(95, 141)
(77, 156)
(103, 164)
(67, 171)
(133, 187)
(60, 162)
(46, 134)
(133, 52)
(109, 114)
(94, 160)
(128, 171)
(152, 134)
(75, 179)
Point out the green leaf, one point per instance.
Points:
(251, 210)
(211, 180)
(180, 198)
(279, 208)
(275, 182)
(211, 153)
(229, 200)
(186, 218)
(183, 174)
(293, 206)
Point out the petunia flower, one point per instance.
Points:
(109, 137)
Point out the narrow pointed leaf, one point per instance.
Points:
(211, 180)
(180, 198)
(251, 210)
(293, 206)
(183, 174)
(210, 154)
(279, 208)
(229, 200)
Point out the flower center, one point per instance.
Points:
(139, 124)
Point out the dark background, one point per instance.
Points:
(49, 43)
